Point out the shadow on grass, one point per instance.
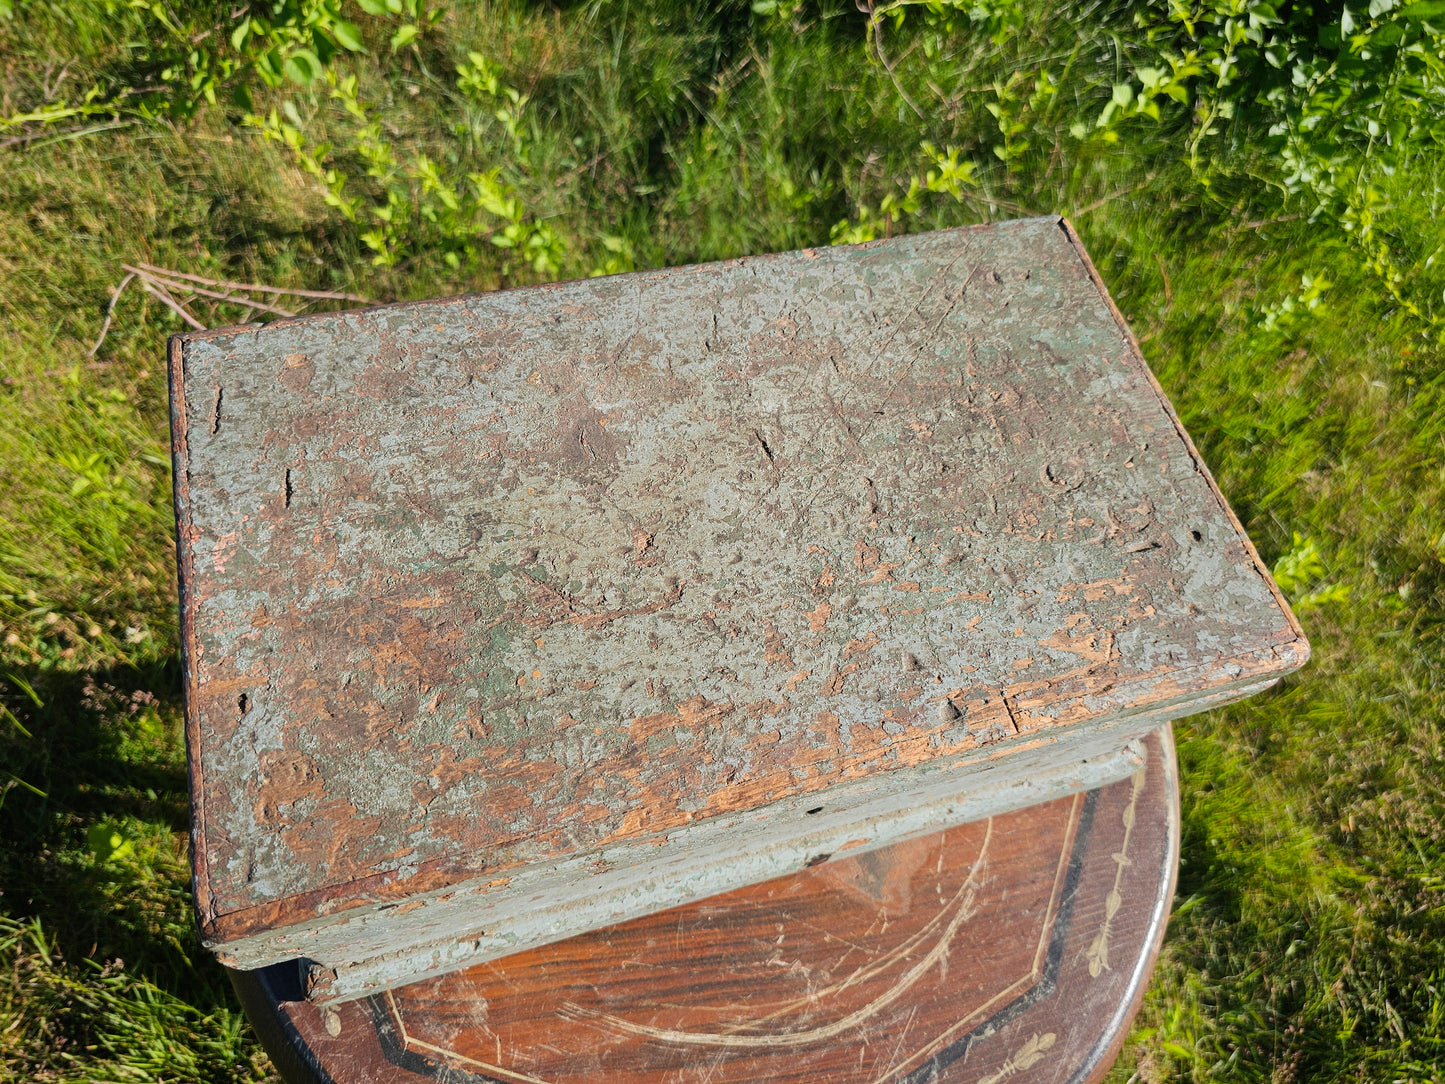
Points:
(93, 820)
(102, 974)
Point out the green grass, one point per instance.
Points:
(1308, 942)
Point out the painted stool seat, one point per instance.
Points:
(1012, 948)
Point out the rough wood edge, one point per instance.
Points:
(343, 976)
(180, 489)
(927, 808)
(341, 902)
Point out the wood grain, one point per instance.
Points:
(1014, 949)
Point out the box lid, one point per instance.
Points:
(475, 584)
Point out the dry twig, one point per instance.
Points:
(175, 306)
(178, 286)
(221, 284)
(110, 312)
(159, 282)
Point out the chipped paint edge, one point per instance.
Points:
(453, 928)
(185, 558)
(1215, 682)
(560, 899)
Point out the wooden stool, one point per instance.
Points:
(1013, 948)
(735, 673)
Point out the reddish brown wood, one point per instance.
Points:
(1015, 948)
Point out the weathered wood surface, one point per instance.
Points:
(475, 587)
(1013, 949)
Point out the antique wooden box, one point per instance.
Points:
(510, 616)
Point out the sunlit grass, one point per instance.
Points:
(1307, 940)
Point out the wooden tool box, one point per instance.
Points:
(512, 616)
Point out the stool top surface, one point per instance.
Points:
(482, 582)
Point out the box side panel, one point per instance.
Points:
(383, 947)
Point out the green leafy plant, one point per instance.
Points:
(416, 206)
(1299, 572)
(1326, 102)
(1290, 314)
(949, 175)
(109, 842)
(1344, 98)
(203, 54)
(415, 18)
